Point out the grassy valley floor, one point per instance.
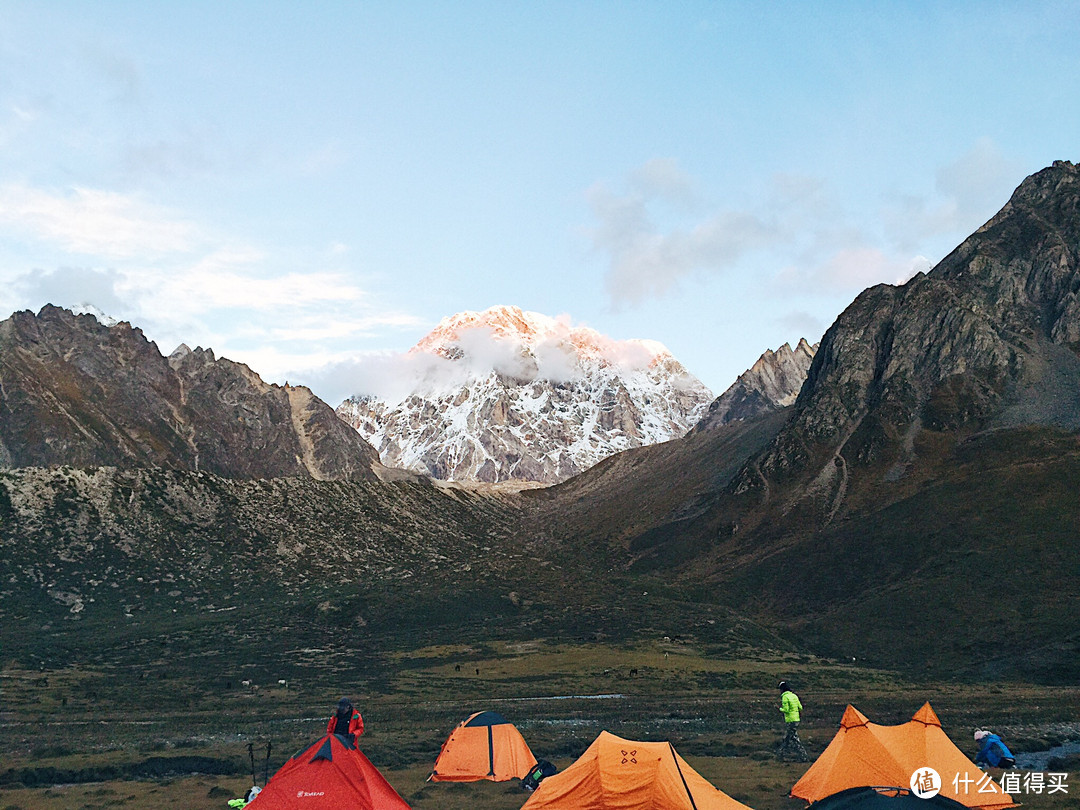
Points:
(105, 739)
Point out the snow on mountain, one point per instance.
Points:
(86, 308)
(509, 394)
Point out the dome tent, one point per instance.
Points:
(629, 775)
(484, 745)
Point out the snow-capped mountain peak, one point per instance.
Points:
(532, 331)
(86, 308)
(511, 394)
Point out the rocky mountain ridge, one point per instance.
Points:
(928, 464)
(76, 392)
(773, 382)
(506, 394)
(987, 339)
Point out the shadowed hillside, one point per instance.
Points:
(918, 505)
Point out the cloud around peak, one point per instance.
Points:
(517, 345)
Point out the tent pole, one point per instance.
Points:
(686, 787)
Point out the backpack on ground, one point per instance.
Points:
(540, 771)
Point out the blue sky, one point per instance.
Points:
(302, 187)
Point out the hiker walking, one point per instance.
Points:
(791, 706)
(993, 753)
(345, 720)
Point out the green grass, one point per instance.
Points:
(718, 711)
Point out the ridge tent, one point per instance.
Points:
(618, 774)
(864, 754)
(484, 745)
(329, 775)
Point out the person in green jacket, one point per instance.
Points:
(791, 706)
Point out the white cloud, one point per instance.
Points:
(803, 324)
(385, 374)
(67, 286)
(231, 278)
(183, 283)
(316, 327)
(967, 192)
(555, 350)
(797, 225)
(183, 154)
(850, 271)
(664, 178)
(646, 261)
(24, 114)
(90, 222)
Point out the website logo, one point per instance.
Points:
(925, 783)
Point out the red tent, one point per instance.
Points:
(332, 774)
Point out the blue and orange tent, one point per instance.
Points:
(484, 745)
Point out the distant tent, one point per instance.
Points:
(629, 775)
(484, 745)
(329, 775)
(864, 754)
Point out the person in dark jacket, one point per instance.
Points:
(345, 720)
(993, 752)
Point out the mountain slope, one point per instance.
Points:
(507, 394)
(986, 340)
(75, 392)
(918, 503)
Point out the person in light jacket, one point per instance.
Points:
(993, 752)
(792, 708)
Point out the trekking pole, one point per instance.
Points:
(251, 756)
(266, 766)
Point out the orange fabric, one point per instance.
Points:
(853, 718)
(470, 754)
(927, 716)
(866, 754)
(618, 774)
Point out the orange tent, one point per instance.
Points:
(866, 754)
(618, 774)
(484, 745)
